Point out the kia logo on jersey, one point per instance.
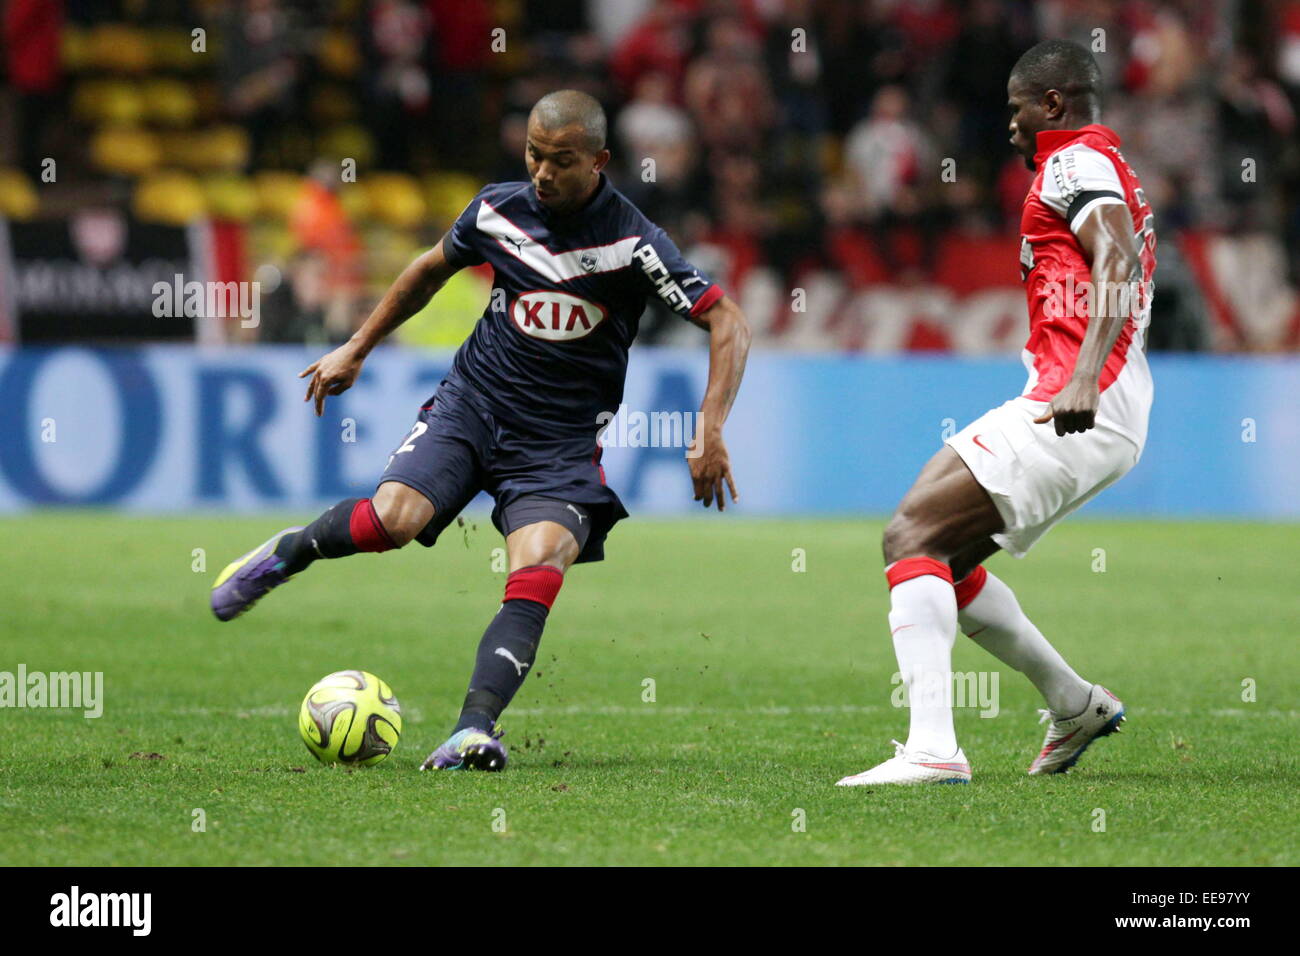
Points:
(556, 316)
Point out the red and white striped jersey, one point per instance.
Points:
(1079, 170)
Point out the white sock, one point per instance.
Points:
(923, 622)
(994, 621)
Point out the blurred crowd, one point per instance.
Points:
(762, 126)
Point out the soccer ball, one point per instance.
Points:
(350, 717)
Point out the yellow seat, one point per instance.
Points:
(120, 48)
(348, 141)
(447, 195)
(387, 253)
(18, 198)
(395, 199)
(277, 193)
(355, 199)
(216, 149)
(391, 249)
(170, 197)
(125, 150)
(74, 49)
(225, 148)
(169, 102)
(229, 196)
(172, 48)
(108, 101)
(270, 241)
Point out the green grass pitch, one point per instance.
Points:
(769, 684)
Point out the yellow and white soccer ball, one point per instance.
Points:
(350, 717)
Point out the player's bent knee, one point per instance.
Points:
(544, 543)
(401, 535)
(558, 556)
(403, 511)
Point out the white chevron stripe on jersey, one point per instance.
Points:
(557, 267)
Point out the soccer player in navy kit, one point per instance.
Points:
(517, 415)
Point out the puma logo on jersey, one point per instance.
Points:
(580, 515)
(556, 316)
(519, 666)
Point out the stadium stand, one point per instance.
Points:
(797, 146)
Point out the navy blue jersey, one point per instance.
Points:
(550, 350)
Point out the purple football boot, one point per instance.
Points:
(244, 581)
(469, 749)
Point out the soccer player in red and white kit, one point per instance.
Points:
(1079, 426)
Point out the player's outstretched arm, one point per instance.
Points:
(728, 349)
(413, 289)
(1106, 235)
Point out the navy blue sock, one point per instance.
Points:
(505, 656)
(329, 536)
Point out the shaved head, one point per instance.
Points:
(565, 150)
(1064, 66)
(564, 108)
(1055, 85)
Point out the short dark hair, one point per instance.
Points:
(1065, 66)
(573, 108)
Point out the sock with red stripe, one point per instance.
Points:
(350, 526)
(509, 645)
(923, 623)
(990, 616)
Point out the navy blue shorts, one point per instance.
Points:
(458, 448)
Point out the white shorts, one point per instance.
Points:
(1034, 476)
